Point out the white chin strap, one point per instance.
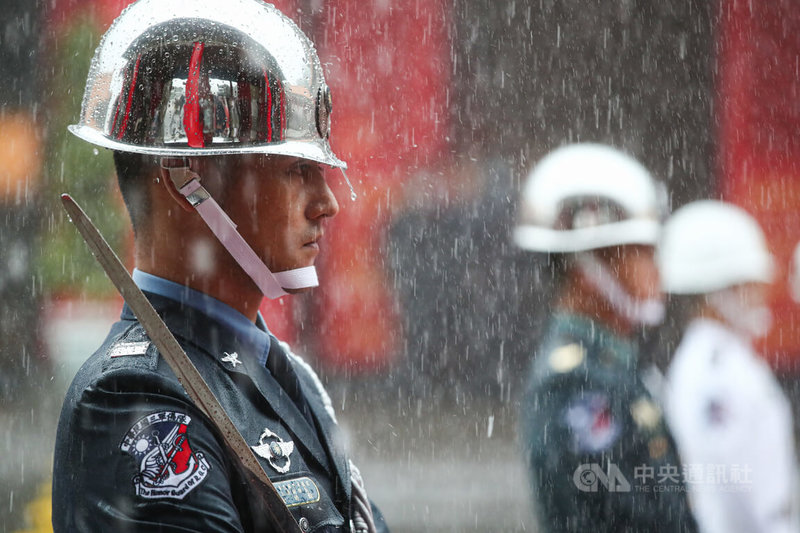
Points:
(272, 285)
(751, 321)
(648, 312)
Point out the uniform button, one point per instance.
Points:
(304, 524)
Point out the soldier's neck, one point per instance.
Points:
(227, 283)
(581, 298)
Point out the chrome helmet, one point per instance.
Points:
(207, 77)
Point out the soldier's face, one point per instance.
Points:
(279, 204)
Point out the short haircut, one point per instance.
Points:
(133, 173)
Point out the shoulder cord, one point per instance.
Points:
(363, 520)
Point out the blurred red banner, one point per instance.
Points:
(759, 117)
(388, 66)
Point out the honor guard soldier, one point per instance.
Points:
(731, 420)
(599, 453)
(218, 116)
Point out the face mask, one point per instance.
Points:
(648, 312)
(753, 321)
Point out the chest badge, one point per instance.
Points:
(232, 358)
(275, 450)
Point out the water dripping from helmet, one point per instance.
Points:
(353, 194)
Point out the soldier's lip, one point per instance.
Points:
(313, 241)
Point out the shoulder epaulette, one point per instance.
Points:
(566, 358)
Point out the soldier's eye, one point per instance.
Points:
(305, 170)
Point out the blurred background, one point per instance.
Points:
(427, 315)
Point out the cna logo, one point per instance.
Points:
(588, 477)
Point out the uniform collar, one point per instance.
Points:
(255, 337)
(231, 352)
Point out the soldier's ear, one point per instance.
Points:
(173, 192)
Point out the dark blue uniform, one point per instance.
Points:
(600, 455)
(134, 454)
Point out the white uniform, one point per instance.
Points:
(734, 431)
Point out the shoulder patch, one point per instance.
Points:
(593, 426)
(567, 357)
(129, 348)
(168, 467)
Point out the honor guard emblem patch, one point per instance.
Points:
(275, 450)
(167, 465)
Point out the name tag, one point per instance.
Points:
(300, 491)
(129, 348)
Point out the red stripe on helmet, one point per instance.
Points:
(192, 121)
(283, 110)
(269, 107)
(129, 101)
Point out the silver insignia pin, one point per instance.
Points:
(232, 358)
(275, 450)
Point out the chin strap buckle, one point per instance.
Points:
(185, 179)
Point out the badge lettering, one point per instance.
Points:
(129, 348)
(300, 491)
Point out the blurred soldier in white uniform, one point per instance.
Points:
(730, 418)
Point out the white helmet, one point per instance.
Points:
(588, 196)
(710, 245)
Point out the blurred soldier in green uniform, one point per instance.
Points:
(599, 453)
